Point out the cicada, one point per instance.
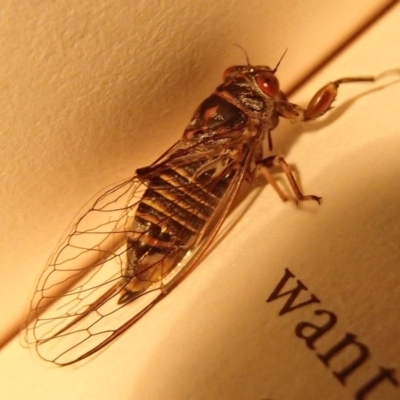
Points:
(141, 238)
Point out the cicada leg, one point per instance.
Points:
(323, 99)
(263, 167)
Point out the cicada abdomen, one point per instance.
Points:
(170, 218)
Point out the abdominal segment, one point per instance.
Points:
(169, 219)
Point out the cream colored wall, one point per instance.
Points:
(92, 90)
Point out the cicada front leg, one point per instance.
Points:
(323, 99)
(263, 167)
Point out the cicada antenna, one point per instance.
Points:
(245, 53)
(277, 65)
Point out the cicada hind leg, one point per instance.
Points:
(269, 162)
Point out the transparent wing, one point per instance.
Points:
(76, 310)
(86, 267)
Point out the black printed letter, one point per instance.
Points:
(384, 374)
(349, 339)
(293, 293)
(317, 331)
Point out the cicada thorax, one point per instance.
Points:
(247, 93)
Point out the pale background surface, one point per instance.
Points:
(92, 91)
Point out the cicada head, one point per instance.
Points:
(262, 77)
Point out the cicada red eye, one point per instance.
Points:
(268, 83)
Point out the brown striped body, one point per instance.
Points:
(181, 197)
(170, 217)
